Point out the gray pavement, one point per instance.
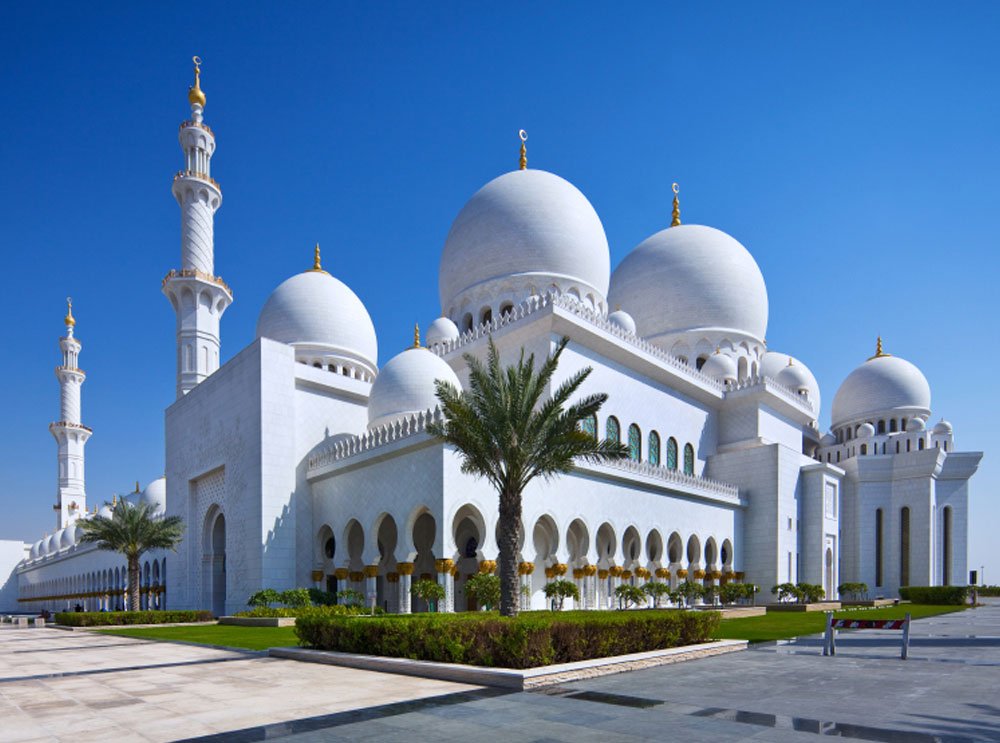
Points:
(949, 691)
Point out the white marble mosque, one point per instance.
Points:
(301, 462)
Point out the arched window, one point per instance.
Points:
(589, 425)
(506, 308)
(614, 431)
(878, 546)
(672, 453)
(701, 361)
(881, 426)
(688, 459)
(883, 447)
(920, 444)
(907, 445)
(467, 322)
(634, 443)
(864, 449)
(892, 425)
(904, 546)
(654, 448)
(486, 317)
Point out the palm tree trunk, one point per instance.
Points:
(510, 527)
(133, 584)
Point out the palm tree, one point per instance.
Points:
(508, 434)
(132, 530)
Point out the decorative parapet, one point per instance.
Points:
(197, 125)
(569, 303)
(676, 477)
(769, 384)
(385, 434)
(65, 424)
(194, 273)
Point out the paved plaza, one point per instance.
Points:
(61, 686)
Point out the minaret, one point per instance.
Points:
(198, 296)
(70, 434)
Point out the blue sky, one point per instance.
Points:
(851, 147)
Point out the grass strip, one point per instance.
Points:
(785, 625)
(248, 638)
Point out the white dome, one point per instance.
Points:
(52, 545)
(720, 366)
(528, 229)
(942, 428)
(405, 385)
(66, 537)
(866, 431)
(915, 425)
(689, 278)
(828, 440)
(623, 320)
(774, 364)
(35, 550)
(321, 317)
(105, 511)
(155, 495)
(881, 384)
(441, 330)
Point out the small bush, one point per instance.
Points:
(686, 593)
(656, 591)
(351, 596)
(326, 610)
(107, 618)
(322, 598)
(988, 590)
(428, 590)
(484, 589)
(940, 595)
(559, 590)
(266, 597)
(628, 594)
(854, 590)
(296, 598)
(527, 640)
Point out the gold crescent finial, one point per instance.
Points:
(195, 93)
(676, 215)
(317, 266)
(416, 335)
(70, 322)
(879, 353)
(523, 163)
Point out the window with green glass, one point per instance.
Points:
(672, 453)
(654, 449)
(634, 443)
(589, 425)
(614, 431)
(688, 459)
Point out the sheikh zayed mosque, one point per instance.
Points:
(303, 462)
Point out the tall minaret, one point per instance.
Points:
(70, 434)
(198, 296)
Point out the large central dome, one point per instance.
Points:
(691, 278)
(525, 230)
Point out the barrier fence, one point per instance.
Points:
(832, 625)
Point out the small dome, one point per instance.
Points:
(623, 320)
(35, 551)
(691, 278)
(52, 544)
(881, 384)
(105, 511)
(915, 425)
(405, 385)
(528, 229)
(866, 431)
(155, 495)
(720, 366)
(320, 317)
(774, 364)
(942, 428)
(66, 537)
(796, 378)
(828, 440)
(441, 330)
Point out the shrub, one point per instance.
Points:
(558, 590)
(484, 589)
(810, 592)
(709, 592)
(108, 618)
(351, 596)
(527, 640)
(428, 590)
(953, 595)
(854, 590)
(988, 590)
(325, 610)
(296, 598)
(656, 591)
(686, 592)
(787, 591)
(265, 597)
(732, 592)
(628, 594)
(322, 598)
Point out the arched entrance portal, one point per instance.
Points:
(219, 566)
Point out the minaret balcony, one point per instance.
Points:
(198, 125)
(73, 426)
(193, 273)
(195, 174)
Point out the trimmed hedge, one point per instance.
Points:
(487, 639)
(941, 595)
(105, 618)
(334, 610)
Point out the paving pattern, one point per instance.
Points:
(948, 691)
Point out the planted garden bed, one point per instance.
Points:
(486, 639)
(118, 618)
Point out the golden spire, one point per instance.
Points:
(316, 263)
(70, 322)
(878, 350)
(416, 335)
(675, 220)
(195, 93)
(523, 163)
(790, 361)
(114, 499)
(137, 486)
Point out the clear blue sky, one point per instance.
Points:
(852, 147)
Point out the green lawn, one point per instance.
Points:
(251, 638)
(782, 625)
